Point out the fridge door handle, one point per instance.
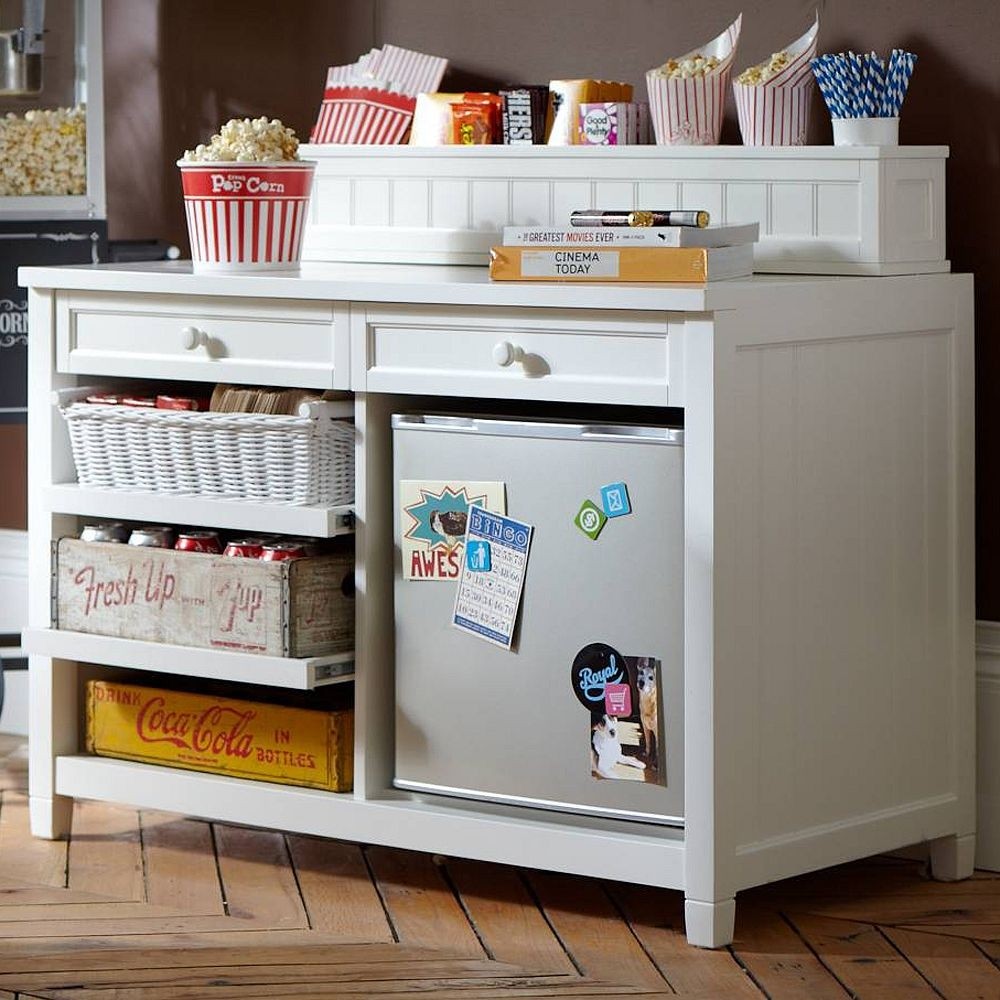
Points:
(643, 435)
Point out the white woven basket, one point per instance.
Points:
(291, 460)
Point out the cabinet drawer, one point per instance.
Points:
(548, 354)
(203, 338)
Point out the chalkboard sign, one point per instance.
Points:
(34, 244)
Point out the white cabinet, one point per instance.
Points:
(828, 547)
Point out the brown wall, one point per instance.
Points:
(176, 69)
(13, 476)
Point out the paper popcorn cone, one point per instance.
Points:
(246, 216)
(688, 112)
(351, 114)
(775, 112)
(372, 100)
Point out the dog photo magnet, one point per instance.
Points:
(595, 666)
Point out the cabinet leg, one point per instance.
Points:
(953, 857)
(52, 818)
(710, 925)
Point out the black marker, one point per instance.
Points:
(636, 217)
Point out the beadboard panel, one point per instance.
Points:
(988, 745)
(845, 522)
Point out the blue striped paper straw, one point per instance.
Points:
(823, 72)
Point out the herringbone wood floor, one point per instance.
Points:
(158, 907)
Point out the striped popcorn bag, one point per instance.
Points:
(687, 110)
(372, 101)
(773, 99)
(246, 216)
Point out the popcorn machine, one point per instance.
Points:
(52, 211)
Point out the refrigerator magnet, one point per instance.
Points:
(618, 700)
(590, 519)
(434, 516)
(615, 500)
(487, 600)
(595, 667)
(478, 558)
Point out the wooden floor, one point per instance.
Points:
(158, 907)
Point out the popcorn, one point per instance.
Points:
(242, 140)
(687, 67)
(44, 152)
(754, 76)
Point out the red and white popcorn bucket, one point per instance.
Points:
(246, 216)
(688, 111)
(776, 112)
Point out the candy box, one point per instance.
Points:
(604, 124)
(246, 216)
(299, 608)
(235, 737)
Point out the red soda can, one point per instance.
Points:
(153, 537)
(181, 403)
(310, 545)
(199, 541)
(280, 551)
(245, 548)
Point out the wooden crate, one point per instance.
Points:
(298, 608)
(202, 732)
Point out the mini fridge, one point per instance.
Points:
(547, 723)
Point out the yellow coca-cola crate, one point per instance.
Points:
(201, 732)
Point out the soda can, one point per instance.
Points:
(245, 548)
(280, 551)
(107, 398)
(111, 531)
(146, 402)
(199, 541)
(310, 545)
(181, 403)
(157, 537)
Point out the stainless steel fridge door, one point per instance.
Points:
(479, 721)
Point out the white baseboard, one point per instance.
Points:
(13, 617)
(13, 580)
(988, 745)
(14, 717)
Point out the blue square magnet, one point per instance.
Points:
(614, 499)
(477, 556)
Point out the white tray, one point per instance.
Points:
(822, 209)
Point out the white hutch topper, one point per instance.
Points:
(828, 546)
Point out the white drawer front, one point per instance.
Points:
(275, 342)
(608, 357)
